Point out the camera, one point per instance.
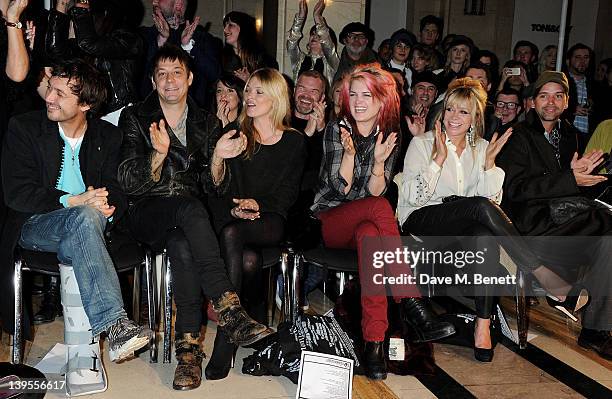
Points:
(514, 71)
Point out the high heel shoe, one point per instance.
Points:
(222, 358)
(575, 300)
(483, 355)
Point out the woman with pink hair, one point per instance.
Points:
(360, 149)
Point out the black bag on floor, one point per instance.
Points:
(282, 354)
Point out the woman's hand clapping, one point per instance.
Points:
(383, 150)
(495, 145)
(228, 147)
(440, 143)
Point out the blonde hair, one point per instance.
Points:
(467, 91)
(274, 86)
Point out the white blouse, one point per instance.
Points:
(425, 183)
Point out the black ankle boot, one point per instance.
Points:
(222, 358)
(421, 321)
(50, 307)
(374, 360)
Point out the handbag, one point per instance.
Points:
(566, 208)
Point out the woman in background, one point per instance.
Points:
(243, 53)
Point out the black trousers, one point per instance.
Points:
(473, 216)
(182, 226)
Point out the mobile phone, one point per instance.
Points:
(249, 211)
(514, 71)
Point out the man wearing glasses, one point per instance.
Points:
(356, 38)
(508, 105)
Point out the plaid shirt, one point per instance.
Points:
(331, 183)
(581, 122)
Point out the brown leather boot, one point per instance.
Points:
(188, 374)
(239, 327)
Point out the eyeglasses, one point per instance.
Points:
(356, 36)
(503, 104)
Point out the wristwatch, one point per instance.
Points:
(17, 24)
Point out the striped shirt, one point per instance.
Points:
(581, 122)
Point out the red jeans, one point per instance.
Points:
(345, 226)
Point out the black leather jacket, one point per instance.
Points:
(116, 54)
(182, 168)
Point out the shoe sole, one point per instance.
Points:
(583, 299)
(188, 388)
(127, 350)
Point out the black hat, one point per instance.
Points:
(405, 36)
(459, 40)
(425, 76)
(357, 27)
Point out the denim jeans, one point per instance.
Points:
(77, 236)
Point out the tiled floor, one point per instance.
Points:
(508, 376)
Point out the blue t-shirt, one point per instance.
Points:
(70, 179)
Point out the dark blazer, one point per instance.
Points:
(31, 161)
(182, 169)
(533, 175)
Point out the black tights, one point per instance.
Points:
(240, 243)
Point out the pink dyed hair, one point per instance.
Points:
(383, 88)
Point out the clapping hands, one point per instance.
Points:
(228, 147)
(495, 145)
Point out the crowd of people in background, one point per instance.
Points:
(199, 145)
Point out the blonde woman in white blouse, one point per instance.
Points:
(452, 187)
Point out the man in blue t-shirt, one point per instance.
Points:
(59, 170)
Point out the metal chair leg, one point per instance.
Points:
(167, 308)
(342, 282)
(521, 310)
(271, 299)
(17, 333)
(296, 274)
(136, 295)
(152, 305)
(285, 259)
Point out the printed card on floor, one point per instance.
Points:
(324, 377)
